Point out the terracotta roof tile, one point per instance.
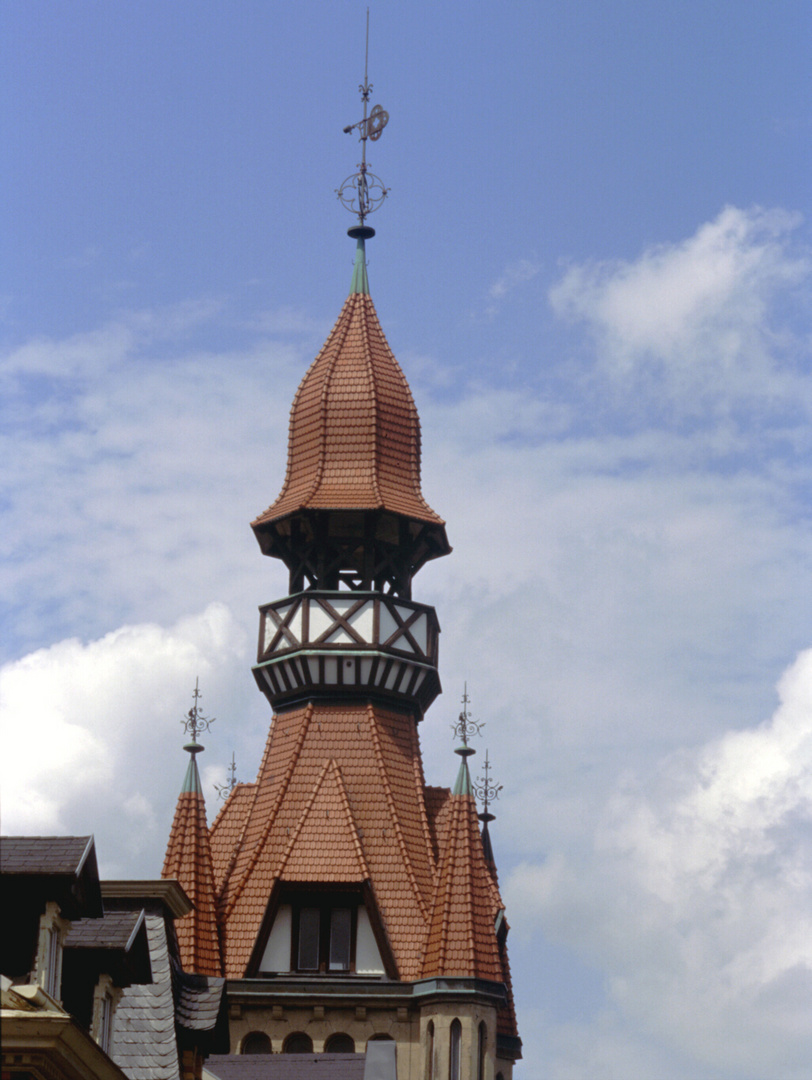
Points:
(354, 438)
(188, 859)
(462, 939)
(316, 757)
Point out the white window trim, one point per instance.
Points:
(52, 931)
(105, 999)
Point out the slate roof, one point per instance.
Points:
(286, 1066)
(44, 854)
(115, 930)
(144, 1043)
(199, 999)
(188, 859)
(354, 439)
(60, 868)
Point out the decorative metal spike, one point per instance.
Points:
(364, 192)
(465, 727)
(486, 790)
(224, 790)
(195, 722)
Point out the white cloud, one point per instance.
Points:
(92, 734)
(694, 898)
(698, 316)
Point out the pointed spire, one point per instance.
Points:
(461, 938)
(188, 860)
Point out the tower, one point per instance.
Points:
(354, 902)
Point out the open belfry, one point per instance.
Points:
(343, 899)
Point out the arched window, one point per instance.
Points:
(340, 1044)
(256, 1042)
(429, 1070)
(298, 1043)
(380, 1038)
(482, 1042)
(499, 1076)
(454, 1050)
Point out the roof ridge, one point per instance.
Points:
(294, 757)
(342, 790)
(415, 457)
(330, 768)
(302, 818)
(420, 780)
(371, 372)
(246, 819)
(390, 800)
(340, 330)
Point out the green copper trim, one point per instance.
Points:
(463, 784)
(191, 782)
(360, 282)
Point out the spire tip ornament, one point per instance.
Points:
(465, 727)
(224, 790)
(195, 722)
(363, 192)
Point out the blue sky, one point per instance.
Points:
(594, 267)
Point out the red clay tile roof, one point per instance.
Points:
(325, 846)
(227, 829)
(462, 939)
(353, 754)
(188, 859)
(354, 440)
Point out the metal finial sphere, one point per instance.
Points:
(362, 193)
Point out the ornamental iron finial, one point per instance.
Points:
(486, 790)
(195, 722)
(224, 790)
(465, 727)
(364, 192)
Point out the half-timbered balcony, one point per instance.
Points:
(322, 642)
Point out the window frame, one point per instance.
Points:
(325, 902)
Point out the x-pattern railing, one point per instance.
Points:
(280, 636)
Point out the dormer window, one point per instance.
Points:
(324, 937)
(322, 932)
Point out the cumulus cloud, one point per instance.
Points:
(92, 738)
(693, 899)
(699, 316)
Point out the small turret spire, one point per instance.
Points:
(188, 857)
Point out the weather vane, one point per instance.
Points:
(195, 722)
(224, 790)
(364, 192)
(465, 727)
(486, 790)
